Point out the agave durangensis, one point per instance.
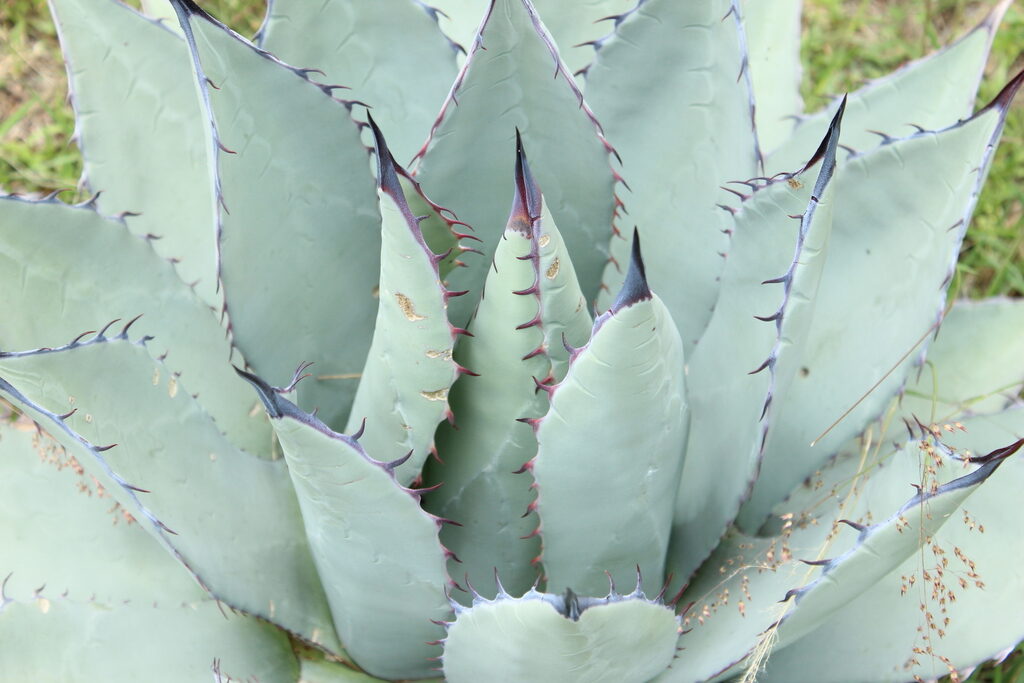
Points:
(239, 217)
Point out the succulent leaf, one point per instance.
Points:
(441, 230)
(318, 669)
(974, 366)
(170, 448)
(903, 265)
(513, 79)
(55, 294)
(565, 318)
(354, 44)
(705, 136)
(195, 640)
(738, 590)
(460, 20)
(606, 480)
(930, 93)
(131, 89)
(531, 295)
(855, 571)
(764, 399)
(365, 529)
(294, 201)
(548, 638)
(76, 529)
(753, 346)
(772, 31)
(961, 576)
(78, 566)
(578, 28)
(403, 391)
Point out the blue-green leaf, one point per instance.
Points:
(295, 199)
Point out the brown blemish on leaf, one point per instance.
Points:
(405, 303)
(172, 387)
(794, 183)
(544, 240)
(439, 395)
(552, 269)
(445, 354)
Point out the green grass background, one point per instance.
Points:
(845, 43)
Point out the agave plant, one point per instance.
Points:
(475, 478)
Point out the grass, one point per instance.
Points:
(845, 43)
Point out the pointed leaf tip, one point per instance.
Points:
(635, 288)
(1005, 97)
(387, 176)
(526, 205)
(269, 397)
(999, 454)
(827, 148)
(277, 406)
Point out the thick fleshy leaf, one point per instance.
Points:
(931, 93)
(531, 295)
(389, 53)
(513, 79)
(460, 19)
(575, 27)
(580, 27)
(403, 391)
(962, 579)
(752, 348)
(81, 572)
(138, 124)
(564, 316)
(241, 511)
(295, 200)
(846, 577)
(899, 243)
(560, 639)
(103, 273)
(79, 541)
(681, 133)
(975, 365)
(736, 610)
(120, 644)
(606, 480)
(365, 529)
(772, 31)
(318, 669)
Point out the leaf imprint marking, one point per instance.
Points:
(552, 269)
(405, 303)
(439, 395)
